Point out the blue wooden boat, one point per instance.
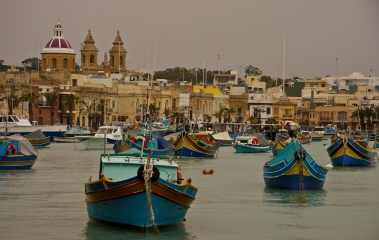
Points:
(38, 139)
(16, 152)
(344, 151)
(294, 169)
(144, 193)
(196, 145)
(158, 146)
(250, 144)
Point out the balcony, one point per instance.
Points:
(287, 115)
(43, 104)
(109, 110)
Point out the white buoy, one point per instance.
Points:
(329, 166)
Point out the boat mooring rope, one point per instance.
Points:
(147, 174)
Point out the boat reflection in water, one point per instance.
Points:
(94, 230)
(294, 198)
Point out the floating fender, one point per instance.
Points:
(210, 171)
(205, 172)
(300, 154)
(155, 176)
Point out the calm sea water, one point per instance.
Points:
(47, 202)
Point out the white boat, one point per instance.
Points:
(106, 136)
(19, 124)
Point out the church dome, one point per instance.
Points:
(58, 44)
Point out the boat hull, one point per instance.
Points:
(189, 148)
(127, 204)
(290, 171)
(17, 161)
(347, 152)
(250, 149)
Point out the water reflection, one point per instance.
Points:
(352, 169)
(94, 230)
(294, 198)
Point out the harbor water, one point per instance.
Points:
(47, 202)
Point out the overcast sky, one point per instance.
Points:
(183, 33)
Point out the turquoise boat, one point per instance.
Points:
(251, 144)
(139, 192)
(277, 147)
(294, 169)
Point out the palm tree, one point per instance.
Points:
(272, 120)
(51, 98)
(166, 112)
(13, 101)
(359, 113)
(219, 114)
(90, 108)
(30, 97)
(257, 112)
(151, 110)
(70, 99)
(227, 113)
(252, 119)
(103, 103)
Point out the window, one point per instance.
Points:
(84, 59)
(268, 110)
(65, 63)
(113, 104)
(276, 110)
(112, 61)
(91, 59)
(74, 82)
(54, 63)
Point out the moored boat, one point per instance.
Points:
(106, 136)
(345, 151)
(278, 146)
(223, 138)
(141, 192)
(16, 152)
(251, 144)
(38, 139)
(196, 145)
(294, 169)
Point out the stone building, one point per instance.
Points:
(58, 53)
(89, 57)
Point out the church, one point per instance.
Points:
(58, 55)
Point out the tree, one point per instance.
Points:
(272, 120)
(30, 97)
(252, 119)
(70, 100)
(227, 113)
(257, 113)
(90, 108)
(252, 71)
(219, 114)
(31, 63)
(51, 98)
(166, 112)
(103, 103)
(13, 102)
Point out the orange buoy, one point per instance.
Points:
(205, 172)
(210, 171)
